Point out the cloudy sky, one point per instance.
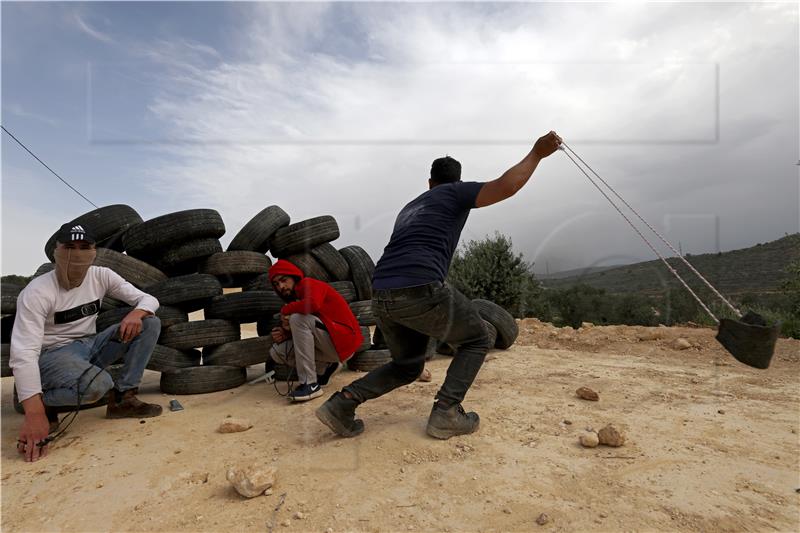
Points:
(689, 110)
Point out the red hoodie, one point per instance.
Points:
(317, 298)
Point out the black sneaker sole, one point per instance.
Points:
(326, 416)
(444, 434)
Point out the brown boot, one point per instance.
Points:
(127, 405)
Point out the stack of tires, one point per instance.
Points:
(178, 259)
(8, 310)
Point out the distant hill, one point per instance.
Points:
(757, 269)
(575, 272)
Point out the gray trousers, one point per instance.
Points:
(310, 349)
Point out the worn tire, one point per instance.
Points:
(169, 316)
(258, 283)
(378, 342)
(173, 228)
(241, 353)
(332, 261)
(255, 236)
(6, 328)
(183, 258)
(264, 325)
(507, 329)
(8, 297)
(165, 358)
(363, 312)
(202, 379)
(491, 332)
(444, 348)
(44, 268)
(369, 360)
(346, 289)
(361, 269)
(61, 409)
(285, 373)
(244, 307)
(136, 272)
(105, 222)
(189, 293)
(237, 268)
(366, 343)
(310, 267)
(108, 303)
(303, 236)
(199, 333)
(5, 356)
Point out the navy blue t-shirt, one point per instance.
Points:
(425, 236)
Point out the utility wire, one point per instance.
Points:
(47, 167)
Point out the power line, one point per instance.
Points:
(47, 167)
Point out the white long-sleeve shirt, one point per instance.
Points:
(49, 316)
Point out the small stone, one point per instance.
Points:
(299, 515)
(507, 510)
(589, 439)
(586, 325)
(568, 422)
(268, 492)
(286, 523)
(234, 425)
(252, 480)
(425, 377)
(649, 335)
(402, 470)
(611, 436)
(681, 344)
(100, 485)
(721, 411)
(585, 393)
(543, 519)
(329, 530)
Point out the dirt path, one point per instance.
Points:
(712, 445)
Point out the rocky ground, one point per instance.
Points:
(710, 445)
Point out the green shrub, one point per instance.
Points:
(490, 269)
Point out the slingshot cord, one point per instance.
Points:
(663, 239)
(628, 220)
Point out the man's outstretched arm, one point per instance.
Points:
(517, 176)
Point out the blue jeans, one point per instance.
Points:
(407, 318)
(85, 359)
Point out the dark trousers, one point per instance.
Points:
(408, 317)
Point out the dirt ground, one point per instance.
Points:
(712, 445)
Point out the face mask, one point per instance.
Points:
(72, 265)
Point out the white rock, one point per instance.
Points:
(589, 439)
(252, 480)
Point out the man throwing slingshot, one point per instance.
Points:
(412, 302)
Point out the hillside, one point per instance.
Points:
(757, 269)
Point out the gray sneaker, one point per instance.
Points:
(449, 422)
(339, 414)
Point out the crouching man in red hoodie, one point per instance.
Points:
(318, 329)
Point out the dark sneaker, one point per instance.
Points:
(127, 405)
(52, 418)
(305, 392)
(325, 377)
(339, 414)
(449, 422)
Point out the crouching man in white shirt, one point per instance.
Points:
(57, 356)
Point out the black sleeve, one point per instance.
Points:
(467, 193)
